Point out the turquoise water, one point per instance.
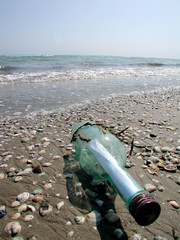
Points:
(30, 84)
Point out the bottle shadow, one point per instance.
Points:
(88, 197)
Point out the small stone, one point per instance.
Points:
(118, 232)
(149, 187)
(112, 217)
(160, 188)
(48, 164)
(15, 204)
(37, 169)
(17, 179)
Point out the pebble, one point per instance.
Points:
(23, 196)
(37, 169)
(118, 232)
(37, 198)
(13, 228)
(150, 187)
(112, 217)
(94, 218)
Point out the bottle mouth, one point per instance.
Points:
(144, 209)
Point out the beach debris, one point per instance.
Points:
(118, 233)
(28, 218)
(94, 217)
(60, 205)
(150, 187)
(136, 237)
(80, 219)
(16, 216)
(2, 213)
(112, 217)
(45, 209)
(23, 196)
(174, 204)
(13, 228)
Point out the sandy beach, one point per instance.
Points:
(38, 159)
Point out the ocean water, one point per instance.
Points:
(30, 84)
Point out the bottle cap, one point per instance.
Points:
(144, 209)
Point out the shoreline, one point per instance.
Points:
(44, 141)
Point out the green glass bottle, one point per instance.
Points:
(103, 156)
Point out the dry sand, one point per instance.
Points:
(153, 121)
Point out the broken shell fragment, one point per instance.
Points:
(60, 204)
(13, 228)
(80, 219)
(94, 218)
(28, 218)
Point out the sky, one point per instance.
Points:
(130, 28)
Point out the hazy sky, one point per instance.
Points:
(99, 27)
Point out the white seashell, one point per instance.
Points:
(80, 219)
(112, 217)
(2, 207)
(15, 204)
(13, 228)
(94, 218)
(38, 191)
(22, 208)
(24, 172)
(23, 196)
(60, 204)
(45, 211)
(28, 218)
(47, 186)
(18, 179)
(45, 139)
(149, 187)
(174, 204)
(16, 216)
(32, 208)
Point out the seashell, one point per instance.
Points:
(160, 188)
(2, 208)
(170, 168)
(47, 186)
(32, 208)
(38, 191)
(23, 196)
(167, 149)
(68, 223)
(60, 204)
(149, 187)
(174, 204)
(16, 216)
(175, 234)
(22, 208)
(136, 237)
(2, 213)
(153, 166)
(45, 208)
(28, 218)
(160, 237)
(17, 179)
(15, 204)
(118, 232)
(48, 164)
(42, 152)
(70, 234)
(56, 157)
(1, 176)
(18, 238)
(112, 217)
(13, 228)
(37, 198)
(94, 218)
(37, 169)
(80, 219)
(24, 172)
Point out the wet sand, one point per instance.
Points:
(41, 145)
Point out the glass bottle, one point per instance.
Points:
(103, 156)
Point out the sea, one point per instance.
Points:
(45, 83)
